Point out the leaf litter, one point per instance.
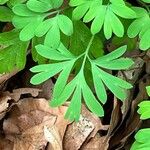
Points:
(27, 121)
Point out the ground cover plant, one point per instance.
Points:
(95, 53)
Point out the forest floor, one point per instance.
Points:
(27, 122)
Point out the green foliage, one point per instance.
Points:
(144, 110)
(142, 140)
(31, 18)
(142, 137)
(107, 15)
(3, 1)
(6, 14)
(12, 52)
(63, 90)
(146, 1)
(141, 26)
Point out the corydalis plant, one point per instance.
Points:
(33, 19)
(142, 136)
(68, 50)
(78, 86)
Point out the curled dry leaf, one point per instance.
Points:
(131, 122)
(3, 105)
(96, 143)
(5, 144)
(15, 95)
(82, 131)
(53, 137)
(25, 125)
(45, 87)
(4, 77)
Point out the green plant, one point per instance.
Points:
(61, 47)
(142, 136)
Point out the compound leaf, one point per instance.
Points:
(99, 86)
(6, 14)
(39, 6)
(65, 25)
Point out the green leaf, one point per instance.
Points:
(39, 5)
(107, 26)
(12, 46)
(143, 135)
(6, 14)
(44, 27)
(116, 85)
(3, 2)
(22, 10)
(136, 26)
(50, 53)
(98, 20)
(99, 86)
(125, 40)
(28, 31)
(123, 11)
(12, 3)
(141, 26)
(32, 18)
(65, 95)
(113, 55)
(80, 11)
(45, 72)
(9, 38)
(62, 79)
(65, 24)
(74, 110)
(145, 41)
(144, 110)
(36, 57)
(146, 1)
(52, 38)
(93, 10)
(77, 43)
(26, 20)
(90, 99)
(116, 25)
(118, 64)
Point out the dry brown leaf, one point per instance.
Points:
(45, 87)
(80, 132)
(25, 125)
(16, 94)
(5, 144)
(5, 77)
(130, 123)
(97, 143)
(3, 105)
(53, 137)
(115, 117)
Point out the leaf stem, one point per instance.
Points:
(56, 11)
(86, 52)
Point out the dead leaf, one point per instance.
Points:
(4, 77)
(3, 105)
(25, 125)
(82, 131)
(96, 143)
(52, 136)
(5, 144)
(16, 94)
